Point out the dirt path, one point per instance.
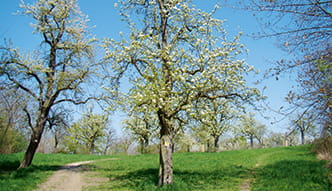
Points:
(71, 177)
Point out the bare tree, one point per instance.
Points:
(303, 28)
(58, 124)
(303, 25)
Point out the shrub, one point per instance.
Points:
(323, 148)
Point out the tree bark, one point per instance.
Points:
(302, 137)
(33, 145)
(216, 145)
(165, 158)
(166, 165)
(251, 141)
(208, 149)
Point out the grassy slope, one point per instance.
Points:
(292, 168)
(42, 166)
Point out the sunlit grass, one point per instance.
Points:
(292, 168)
(277, 169)
(42, 166)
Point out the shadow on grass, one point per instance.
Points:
(6, 166)
(9, 169)
(292, 175)
(199, 179)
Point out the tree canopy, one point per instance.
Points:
(177, 54)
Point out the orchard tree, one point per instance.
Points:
(58, 124)
(87, 132)
(214, 115)
(55, 72)
(304, 124)
(176, 54)
(143, 126)
(251, 129)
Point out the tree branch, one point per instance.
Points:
(21, 86)
(29, 118)
(76, 102)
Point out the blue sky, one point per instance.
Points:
(106, 21)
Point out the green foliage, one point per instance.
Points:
(27, 179)
(85, 135)
(143, 126)
(251, 128)
(12, 141)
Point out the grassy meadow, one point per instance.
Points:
(290, 168)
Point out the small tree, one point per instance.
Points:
(58, 124)
(304, 124)
(251, 129)
(87, 132)
(54, 73)
(214, 116)
(142, 126)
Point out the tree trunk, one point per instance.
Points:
(208, 149)
(166, 165)
(56, 141)
(251, 141)
(165, 158)
(302, 137)
(92, 147)
(33, 145)
(216, 141)
(146, 144)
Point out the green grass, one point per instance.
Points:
(291, 168)
(42, 166)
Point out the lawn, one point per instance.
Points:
(290, 168)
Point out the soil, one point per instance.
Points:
(71, 177)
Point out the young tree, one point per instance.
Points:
(142, 126)
(178, 54)
(109, 140)
(87, 132)
(58, 124)
(304, 124)
(214, 115)
(12, 140)
(251, 129)
(54, 73)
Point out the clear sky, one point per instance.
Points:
(106, 21)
